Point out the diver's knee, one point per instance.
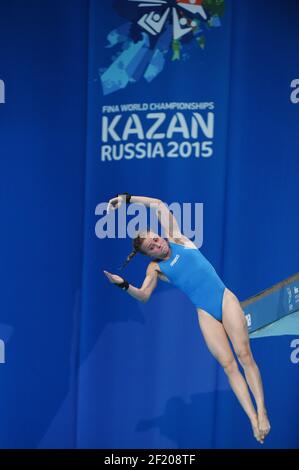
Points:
(245, 356)
(230, 366)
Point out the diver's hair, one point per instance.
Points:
(129, 258)
(137, 247)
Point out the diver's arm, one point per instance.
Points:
(167, 220)
(165, 217)
(145, 291)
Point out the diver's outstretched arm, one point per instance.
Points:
(145, 291)
(165, 217)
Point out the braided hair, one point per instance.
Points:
(137, 247)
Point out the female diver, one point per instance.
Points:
(176, 259)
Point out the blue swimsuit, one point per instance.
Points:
(191, 272)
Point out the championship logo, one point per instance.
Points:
(156, 31)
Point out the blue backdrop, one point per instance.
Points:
(86, 365)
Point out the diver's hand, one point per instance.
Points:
(113, 278)
(116, 202)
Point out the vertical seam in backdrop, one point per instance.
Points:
(87, 62)
(225, 190)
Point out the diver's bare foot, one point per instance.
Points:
(263, 423)
(256, 431)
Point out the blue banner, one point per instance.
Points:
(157, 126)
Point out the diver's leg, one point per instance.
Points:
(235, 324)
(218, 344)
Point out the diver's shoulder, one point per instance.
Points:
(153, 266)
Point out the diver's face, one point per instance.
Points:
(155, 246)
